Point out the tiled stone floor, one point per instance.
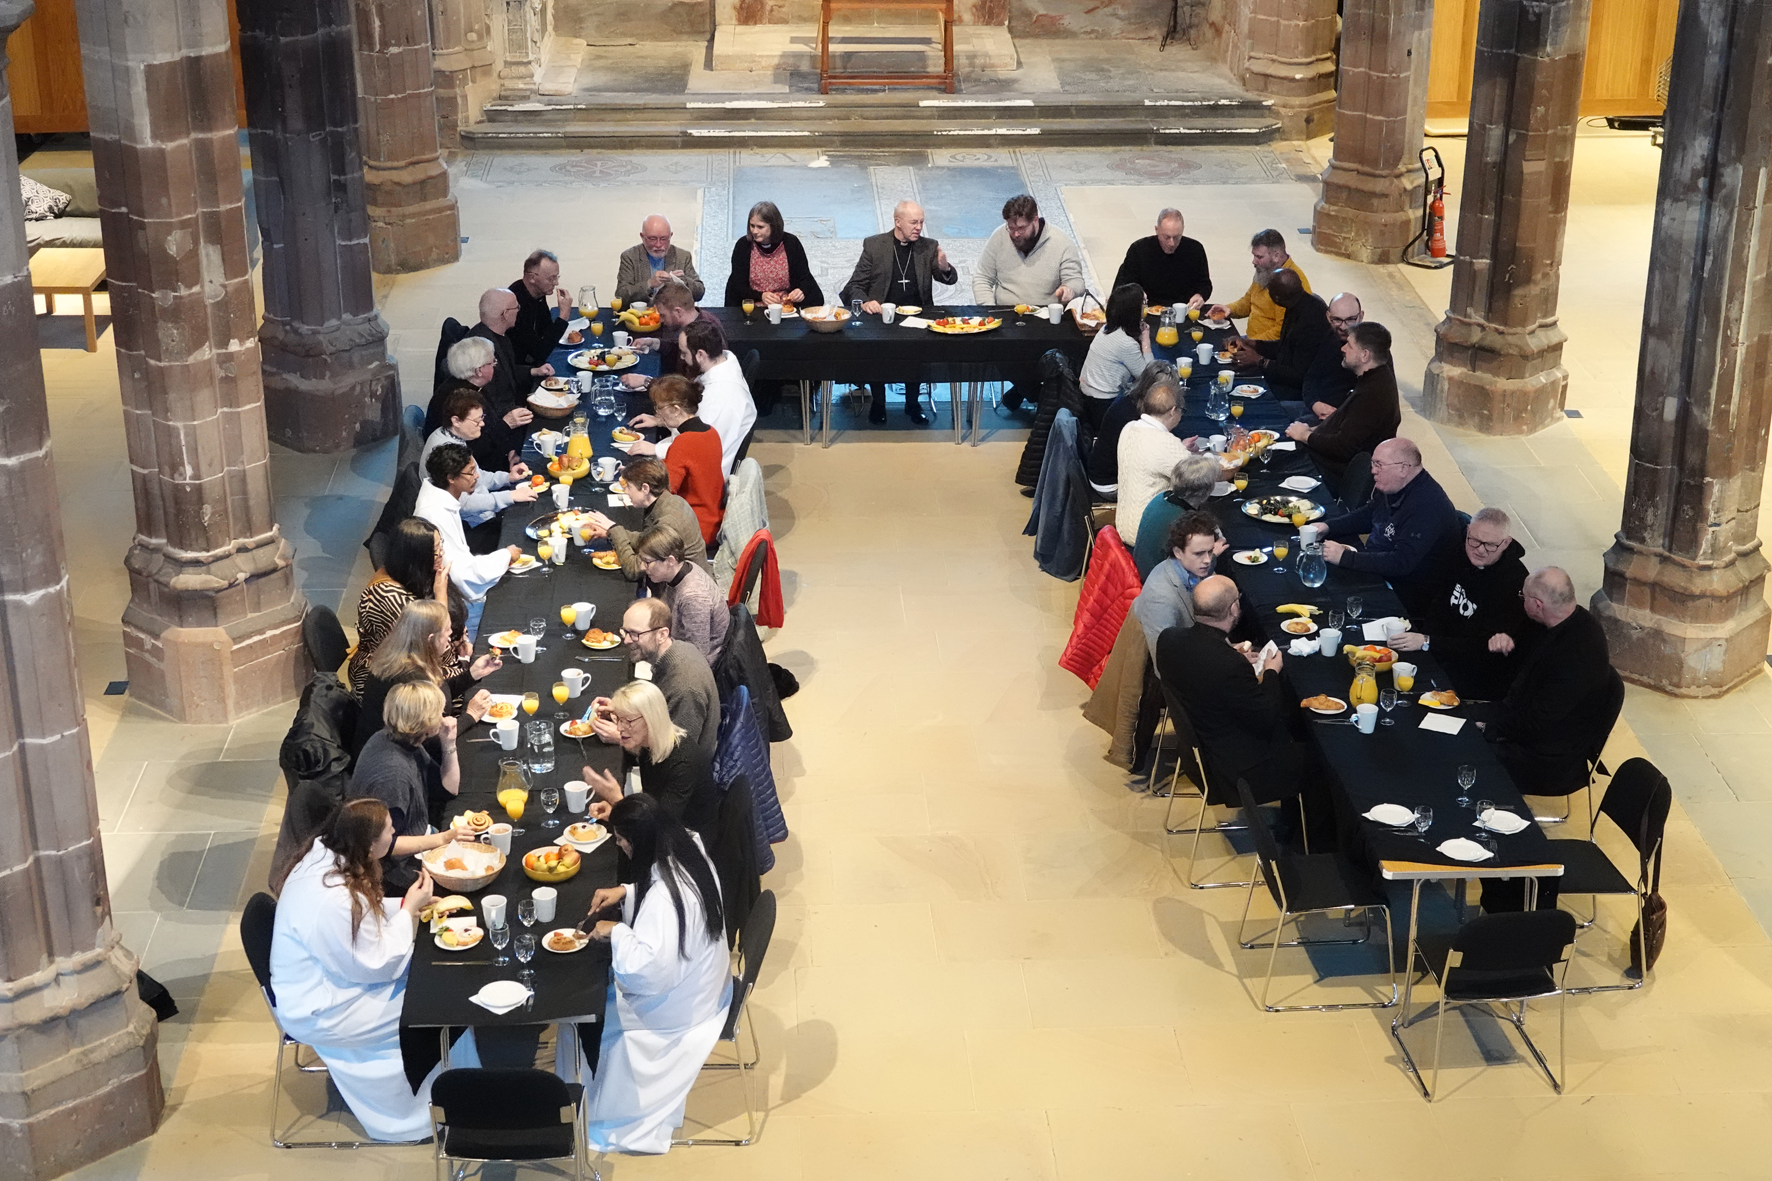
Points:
(986, 963)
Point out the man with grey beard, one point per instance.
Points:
(1267, 253)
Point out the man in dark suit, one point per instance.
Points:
(1169, 265)
(1286, 361)
(1239, 709)
(512, 380)
(537, 330)
(899, 267)
(1411, 528)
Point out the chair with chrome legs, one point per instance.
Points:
(257, 923)
(1504, 959)
(1637, 801)
(508, 1116)
(1187, 740)
(1309, 883)
(753, 945)
(1592, 765)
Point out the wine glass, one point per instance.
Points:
(1387, 701)
(1237, 409)
(526, 912)
(1241, 481)
(749, 306)
(1424, 819)
(544, 551)
(615, 303)
(1354, 608)
(568, 615)
(561, 693)
(596, 328)
(501, 939)
(1467, 779)
(525, 949)
(550, 801)
(1335, 618)
(1282, 547)
(531, 702)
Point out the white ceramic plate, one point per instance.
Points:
(582, 940)
(1249, 557)
(1394, 815)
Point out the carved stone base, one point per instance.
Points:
(1365, 216)
(1303, 94)
(1495, 381)
(330, 390)
(414, 223)
(1684, 629)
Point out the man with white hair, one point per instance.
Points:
(508, 390)
(646, 267)
(1170, 266)
(900, 267)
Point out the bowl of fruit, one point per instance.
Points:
(551, 863)
(565, 465)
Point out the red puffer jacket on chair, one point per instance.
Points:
(1109, 586)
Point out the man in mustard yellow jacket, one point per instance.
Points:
(1267, 251)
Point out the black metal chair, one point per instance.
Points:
(1637, 801)
(324, 639)
(753, 945)
(1356, 481)
(257, 924)
(508, 1116)
(1311, 883)
(1509, 958)
(1593, 765)
(1187, 740)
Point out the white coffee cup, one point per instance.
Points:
(1329, 641)
(583, 383)
(492, 906)
(1218, 442)
(577, 797)
(639, 307)
(526, 648)
(621, 340)
(499, 837)
(576, 679)
(548, 443)
(544, 897)
(773, 313)
(1402, 668)
(1054, 312)
(888, 313)
(582, 614)
(1204, 352)
(560, 548)
(1366, 717)
(562, 495)
(606, 467)
(506, 733)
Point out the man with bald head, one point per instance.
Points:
(508, 417)
(1328, 381)
(1562, 703)
(899, 267)
(1238, 708)
(1410, 524)
(1169, 265)
(644, 268)
(1285, 362)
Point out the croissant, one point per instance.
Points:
(456, 863)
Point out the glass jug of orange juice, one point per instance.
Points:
(1167, 336)
(578, 440)
(1364, 690)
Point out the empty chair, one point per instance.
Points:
(324, 639)
(1311, 883)
(1510, 958)
(507, 1116)
(1637, 801)
(1187, 741)
(1356, 482)
(753, 945)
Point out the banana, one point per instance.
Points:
(1304, 609)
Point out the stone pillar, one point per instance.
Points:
(213, 627)
(1498, 357)
(79, 1073)
(413, 222)
(1683, 597)
(525, 30)
(329, 384)
(450, 63)
(1290, 59)
(1371, 202)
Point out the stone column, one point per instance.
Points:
(213, 627)
(450, 63)
(329, 384)
(1371, 202)
(413, 222)
(1291, 60)
(1498, 359)
(79, 1073)
(520, 72)
(1683, 597)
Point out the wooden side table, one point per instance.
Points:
(59, 271)
(944, 9)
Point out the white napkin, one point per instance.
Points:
(1299, 483)
(1303, 646)
(1223, 488)
(501, 996)
(623, 447)
(1497, 820)
(915, 322)
(619, 500)
(1392, 814)
(1288, 445)
(1377, 631)
(1464, 849)
(1442, 723)
(642, 670)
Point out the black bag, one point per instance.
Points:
(786, 683)
(155, 996)
(1652, 930)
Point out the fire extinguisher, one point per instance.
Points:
(1430, 239)
(1436, 220)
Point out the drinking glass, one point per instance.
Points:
(1241, 482)
(1282, 547)
(1467, 779)
(1354, 608)
(1484, 806)
(615, 303)
(1424, 819)
(855, 313)
(1197, 335)
(596, 328)
(526, 912)
(1387, 701)
(501, 939)
(749, 306)
(538, 626)
(568, 615)
(550, 801)
(544, 551)
(531, 702)
(1236, 409)
(1335, 618)
(561, 693)
(1193, 313)
(525, 949)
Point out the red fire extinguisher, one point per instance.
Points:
(1436, 218)
(1430, 239)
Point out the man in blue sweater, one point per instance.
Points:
(1410, 523)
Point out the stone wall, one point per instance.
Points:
(1095, 19)
(607, 22)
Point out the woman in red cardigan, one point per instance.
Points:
(693, 459)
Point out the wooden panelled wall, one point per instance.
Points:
(43, 70)
(1627, 42)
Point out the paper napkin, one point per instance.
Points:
(1442, 724)
(501, 996)
(1498, 820)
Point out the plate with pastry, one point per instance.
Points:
(505, 639)
(601, 640)
(573, 728)
(586, 834)
(1439, 699)
(474, 822)
(606, 559)
(1249, 557)
(1297, 627)
(622, 434)
(909, 309)
(1322, 703)
(565, 940)
(501, 711)
(458, 938)
(524, 562)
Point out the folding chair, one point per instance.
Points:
(1594, 767)
(508, 1116)
(1637, 801)
(753, 945)
(1186, 740)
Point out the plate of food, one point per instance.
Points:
(909, 309)
(1297, 626)
(556, 385)
(474, 822)
(1156, 309)
(1263, 437)
(524, 562)
(568, 519)
(573, 728)
(1247, 390)
(586, 835)
(1439, 699)
(622, 434)
(1249, 557)
(565, 940)
(573, 336)
(1322, 703)
(501, 710)
(1282, 510)
(964, 325)
(1225, 356)
(603, 360)
(459, 938)
(601, 640)
(606, 559)
(1216, 325)
(505, 639)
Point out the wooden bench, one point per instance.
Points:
(944, 9)
(56, 271)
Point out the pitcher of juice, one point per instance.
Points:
(578, 440)
(1364, 690)
(513, 788)
(1167, 335)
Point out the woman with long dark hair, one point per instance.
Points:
(339, 954)
(414, 568)
(671, 980)
(1117, 355)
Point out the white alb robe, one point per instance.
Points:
(664, 1016)
(343, 997)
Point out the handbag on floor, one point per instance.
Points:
(1650, 931)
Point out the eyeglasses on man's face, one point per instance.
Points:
(631, 634)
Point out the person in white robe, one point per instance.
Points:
(671, 982)
(341, 991)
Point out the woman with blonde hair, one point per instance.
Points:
(673, 770)
(419, 647)
(397, 768)
(339, 954)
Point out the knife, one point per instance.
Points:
(460, 963)
(1335, 721)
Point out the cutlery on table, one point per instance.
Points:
(460, 963)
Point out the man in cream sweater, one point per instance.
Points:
(1027, 261)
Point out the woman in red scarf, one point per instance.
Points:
(769, 264)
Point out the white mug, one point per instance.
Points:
(620, 339)
(1204, 352)
(606, 467)
(506, 733)
(1218, 442)
(773, 313)
(576, 679)
(639, 307)
(562, 495)
(584, 383)
(544, 897)
(888, 312)
(577, 797)
(582, 614)
(1366, 717)
(1329, 641)
(526, 649)
(1054, 312)
(499, 837)
(547, 442)
(492, 906)
(560, 548)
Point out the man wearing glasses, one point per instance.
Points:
(680, 671)
(1369, 416)
(647, 267)
(1477, 618)
(1411, 526)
